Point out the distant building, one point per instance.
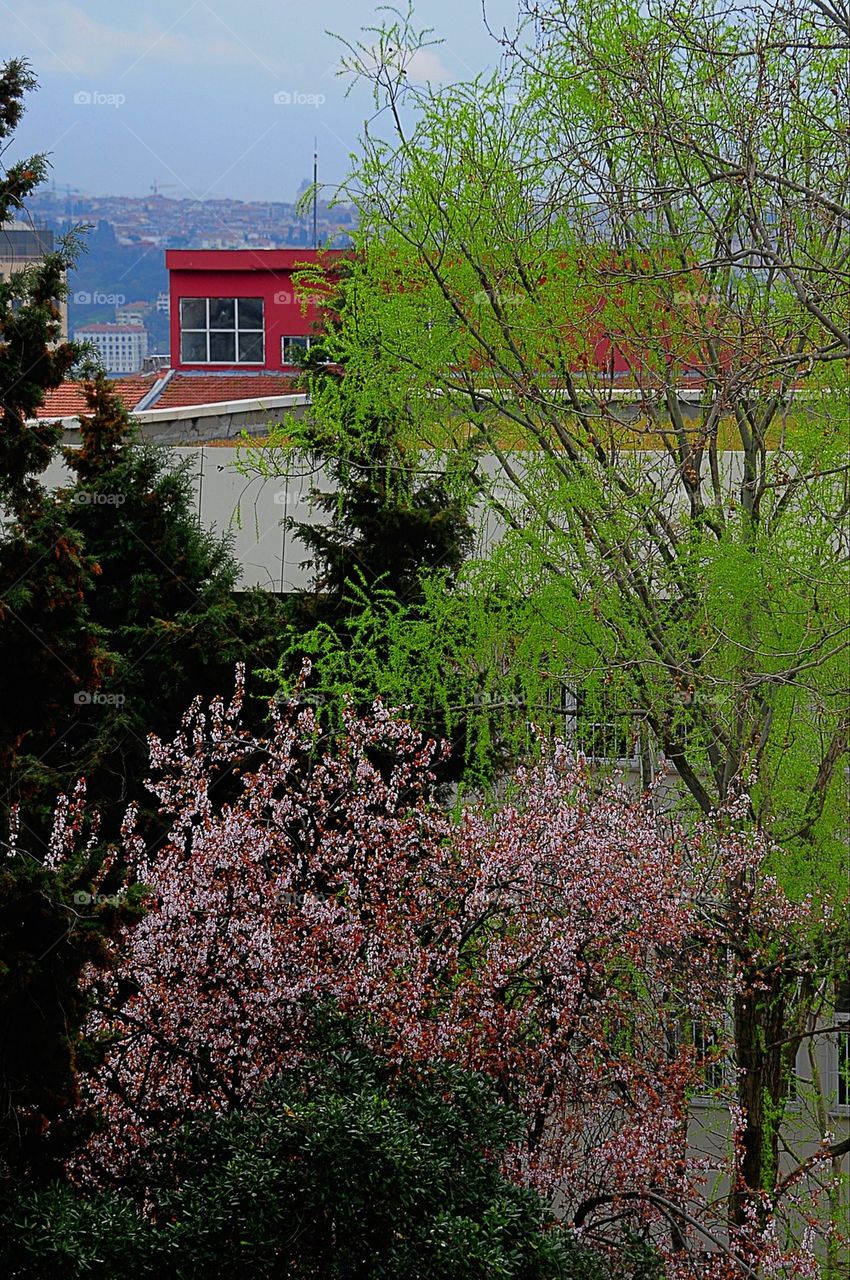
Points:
(22, 245)
(238, 308)
(122, 347)
(132, 312)
(154, 363)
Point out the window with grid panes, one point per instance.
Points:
(593, 730)
(292, 349)
(222, 331)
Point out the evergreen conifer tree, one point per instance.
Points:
(165, 597)
(51, 649)
(393, 518)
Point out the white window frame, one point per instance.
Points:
(839, 1055)
(236, 331)
(574, 723)
(293, 337)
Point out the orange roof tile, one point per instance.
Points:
(68, 400)
(212, 388)
(110, 328)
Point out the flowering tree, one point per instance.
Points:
(556, 944)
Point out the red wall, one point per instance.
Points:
(244, 273)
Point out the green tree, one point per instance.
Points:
(396, 526)
(345, 1167)
(165, 596)
(620, 265)
(51, 648)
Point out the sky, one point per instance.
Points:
(213, 98)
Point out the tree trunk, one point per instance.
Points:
(759, 1021)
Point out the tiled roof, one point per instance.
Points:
(68, 400)
(110, 328)
(215, 388)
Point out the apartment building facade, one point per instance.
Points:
(122, 347)
(22, 246)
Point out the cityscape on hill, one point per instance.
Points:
(123, 264)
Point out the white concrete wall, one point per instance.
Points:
(253, 511)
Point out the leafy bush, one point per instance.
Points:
(346, 1166)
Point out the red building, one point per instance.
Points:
(236, 309)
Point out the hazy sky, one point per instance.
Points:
(215, 97)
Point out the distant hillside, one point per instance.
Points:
(128, 236)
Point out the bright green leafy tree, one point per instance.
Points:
(619, 267)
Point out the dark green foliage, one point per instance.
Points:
(17, 80)
(346, 1167)
(51, 648)
(164, 597)
(52, 923)
(395, 514)
(32, 359)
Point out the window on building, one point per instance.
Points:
(221, 331)
(708, 1046)
(591, 727)
(711, 1045)
(842, 1046)
(292, 349)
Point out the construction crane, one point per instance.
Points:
(156, 187)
